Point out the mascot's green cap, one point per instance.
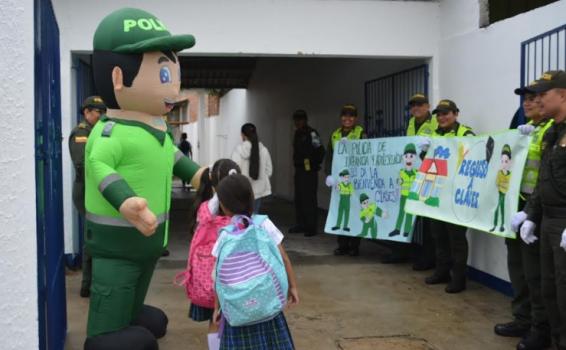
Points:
(410, 148)
(363, 197)
(130, 30)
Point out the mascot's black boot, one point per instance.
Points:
(131, 338)
(152, 319)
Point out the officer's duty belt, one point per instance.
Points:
(553, 212)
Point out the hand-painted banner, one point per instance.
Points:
(372, 179)
(471, 181)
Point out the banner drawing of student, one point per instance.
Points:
(502, 182)
(407, 176)
(346, 189)
(367, 215)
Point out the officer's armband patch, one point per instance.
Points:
(81, 139)
(107, 130)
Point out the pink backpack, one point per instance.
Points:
(197, 278)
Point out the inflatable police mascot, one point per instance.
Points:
(130, 159)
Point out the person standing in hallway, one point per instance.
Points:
(547, 204)
(348, 130)
(255, 161)
(93, 107)
(450, 239)
(530, 320)
(308, 154)
(186, 148)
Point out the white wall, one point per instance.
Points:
(265, 27)
(320, 86)
(479, 69)
(18, 260)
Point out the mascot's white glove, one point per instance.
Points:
(528, 232)
(526, 129)
(330, 182)
(213, 205)
(563, 241)
(517, 220)
(424, 144)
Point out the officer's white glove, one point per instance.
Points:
(213, 205)
(526, 129)
(528, 232)
(343, 140)
(424, 144)
(517, 220)
(563, 241)
(330, 182)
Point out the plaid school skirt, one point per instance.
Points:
(269, 335)
(200, 313)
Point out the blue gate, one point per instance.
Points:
(52, 315)
(387, 112)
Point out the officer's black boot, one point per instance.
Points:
(458, 283)
(153, 319)
(131, 338)
(535, 340)
(512, 329)
(438, 277)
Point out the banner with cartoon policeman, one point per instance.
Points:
(471, 181)
(371, 180)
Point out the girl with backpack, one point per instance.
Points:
(254, 278)
(206, 221)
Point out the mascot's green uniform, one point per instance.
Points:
(130, 159)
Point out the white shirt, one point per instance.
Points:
(242, 154)
(268, 225)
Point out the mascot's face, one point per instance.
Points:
(155, 88)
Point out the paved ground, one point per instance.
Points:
(346, 303)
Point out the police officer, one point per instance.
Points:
(523, 260)
(308, 154)
(93, 107)
(348, 130)
(547, 204)
(450, 239)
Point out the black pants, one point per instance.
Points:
(306, 202)
(553, 279)
(423, 249)
(451, 249)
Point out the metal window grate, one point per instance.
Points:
(544, 52)
(387, 113)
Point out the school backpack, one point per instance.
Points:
(251, 280)
(197, 278)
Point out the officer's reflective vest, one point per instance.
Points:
(462, 130)
(355, 134)
(407, 178)
(531, 170)
(426, 129)
(346, 189)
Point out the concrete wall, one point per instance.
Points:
(479, 69)
(18, 259)
(296, 27)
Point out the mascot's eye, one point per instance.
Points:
(165, 75)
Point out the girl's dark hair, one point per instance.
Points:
(249, 130)
(236, 194)
(209, 180)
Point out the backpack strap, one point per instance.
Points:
(258, 219)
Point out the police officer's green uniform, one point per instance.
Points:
(126, 158)
(77, 142)
(450, 239)
(407, 177)
(346, 189)
(345, 243)
(502, 181)
(547, 205)
(367, 215)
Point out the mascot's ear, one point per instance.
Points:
(117, 78)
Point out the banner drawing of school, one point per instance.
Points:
(373, 178)
(471, 181)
